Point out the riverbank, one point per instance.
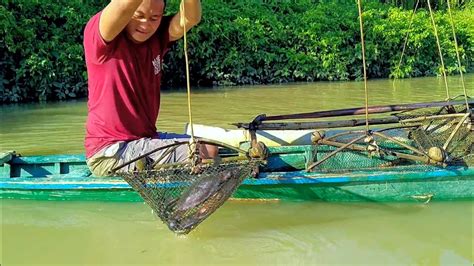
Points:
(239, 43)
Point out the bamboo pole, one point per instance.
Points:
(432, 117)
(455, 131)
(406, 146)
(352, 132)
(312, 166)
(359, 111)
(424, 159)
(319, 125)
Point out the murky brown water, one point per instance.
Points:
(242, 233)
(245, 233)
(59, 127)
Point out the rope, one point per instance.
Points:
(408, 34)
(364, 67)
(458, 57)
(182, 12)
(443, 70)
(192, 142)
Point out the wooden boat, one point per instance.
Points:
(66, 177)
(285, 175)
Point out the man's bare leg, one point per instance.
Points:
(208, 151)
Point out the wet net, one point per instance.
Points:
(183, 196)
(451, 135)
(423, 138)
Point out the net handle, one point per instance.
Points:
(147, 154)
(177, 143)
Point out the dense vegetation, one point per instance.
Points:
(238, 42)
(435, 4)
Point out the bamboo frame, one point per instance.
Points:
(319, 125)
(346, 145)
(363, 131)
(424, 159)
(399, 143)
(458, 126)
(432, 117)
(358, 111)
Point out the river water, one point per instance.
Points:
(241, 232)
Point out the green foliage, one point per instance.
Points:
(237, 42)
(41, 49)
(246, 42)
(435, 4)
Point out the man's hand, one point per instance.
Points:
(192, 16)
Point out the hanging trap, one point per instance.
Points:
(183, 195)
(423, 137)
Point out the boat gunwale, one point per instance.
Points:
(301, 177)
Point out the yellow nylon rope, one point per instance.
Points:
(182, 12)
(364, 67)
(443, 70)
(457, 54)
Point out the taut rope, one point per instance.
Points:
(364, 66)
(439, 49)
(408, 34)
(182, 12)
(457, 55)
(443, 69)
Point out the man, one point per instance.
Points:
(124, 45)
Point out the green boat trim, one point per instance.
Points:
(406, 189)
(405, 174)
(365, 178)
(66, 177)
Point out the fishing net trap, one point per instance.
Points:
(184, 194)
(421, 135)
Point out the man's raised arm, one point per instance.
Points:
(115, 16)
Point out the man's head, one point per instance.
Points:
(145, 20)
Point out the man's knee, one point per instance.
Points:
(208, 151)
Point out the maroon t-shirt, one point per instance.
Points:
(124, 85)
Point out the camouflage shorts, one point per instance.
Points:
(102, 163)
